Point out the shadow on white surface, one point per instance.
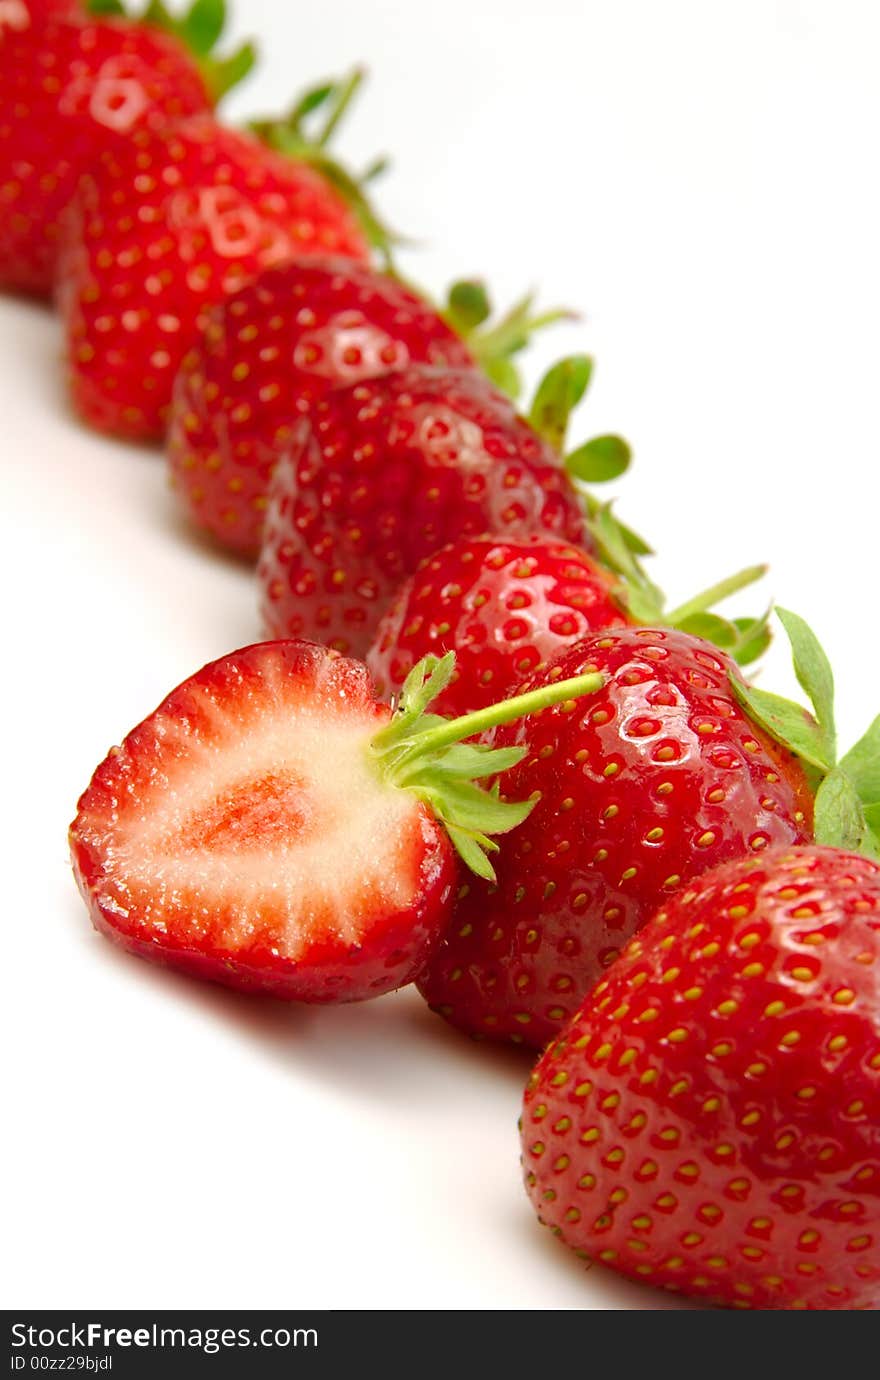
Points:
(393, 1051)
(374, 1107)
(393, 1048)
(168, 516)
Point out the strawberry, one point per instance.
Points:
(18, 15)
(161, 229)
(283, 341)
(658, 778)
(265, 356)
(708, 1122)
(71, 90)
(271, 827)
(504, 607)
(385, 471)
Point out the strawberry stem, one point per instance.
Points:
(425, 754)
(700, 603)
(430, 740)
(621, 550)
(342, 96)
(493, 344)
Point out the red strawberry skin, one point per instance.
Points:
(17, 16)
(710, 1120)
(240, 834)
(68, 92)
(265, 356)
(385, 472)
(162, 228)
(642, 787)
(504, 607)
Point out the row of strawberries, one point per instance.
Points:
(688, 905)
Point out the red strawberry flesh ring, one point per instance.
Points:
(273, 827)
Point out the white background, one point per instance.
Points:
(700, 180)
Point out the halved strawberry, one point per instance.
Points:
(272, 828)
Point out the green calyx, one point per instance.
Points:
(560, 391)
(468, 311)
(200, 28)
(425, 754)
(305, 134)
(618, 547)
(621, 549)
(847, 809)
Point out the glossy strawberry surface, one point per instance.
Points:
(68, 92)
(242, 834)
(17, 16)
(264, 358)
(710, 1120)
(162, 228)
(640, 788)
(504, 607)
(383, 473)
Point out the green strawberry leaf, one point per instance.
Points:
(619, 548)
(862, 766)
(473, 760)
(712, 627)
(472, 848)
(468, 311)
(639, 604)
(847, 808)
(375, 168)
(470, 808)
(310, 99)
(432, 757)
(467, 306)
(157, 13)
(811, 738)
(222, 74)
(558, 394)
(505, 375)
(814, 674)
(789, 723)
(636, 544)
(839, 819)
(203, 24)
(297, 135)
(105, 7)
(424, 683)
(599, 460)
(754, 637)
(745, 638)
